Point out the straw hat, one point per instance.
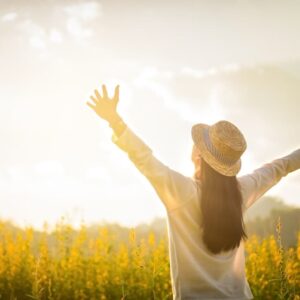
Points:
(221, 145)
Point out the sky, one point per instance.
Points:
(177, 63)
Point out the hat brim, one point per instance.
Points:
(197, 133)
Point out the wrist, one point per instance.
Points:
(117, 124)
(114, 119)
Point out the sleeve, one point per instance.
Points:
(173, 188)
(257, 183)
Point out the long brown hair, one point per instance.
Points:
(221, 207)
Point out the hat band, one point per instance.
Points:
(215, 152)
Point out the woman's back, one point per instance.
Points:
(197, 273)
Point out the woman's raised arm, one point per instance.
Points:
(257, 183)
(172, 187)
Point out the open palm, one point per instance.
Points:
(104, 106)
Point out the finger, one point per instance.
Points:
(97, 94)
(116, 96)
(91, 105)
(104, 91)
(94, 100)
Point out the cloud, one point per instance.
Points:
(55, 36)
(9, 17)
(84, 11)
(211, 71)
(79, 15)
(152, 79)
(49, 168)
(38, 36)
(75, 27)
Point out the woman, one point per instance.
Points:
(205, 211)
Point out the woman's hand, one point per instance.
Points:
(105, 107)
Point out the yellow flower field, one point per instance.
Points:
(71, 265)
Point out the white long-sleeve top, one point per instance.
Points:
(195, 272)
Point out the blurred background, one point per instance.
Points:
(177, 62)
